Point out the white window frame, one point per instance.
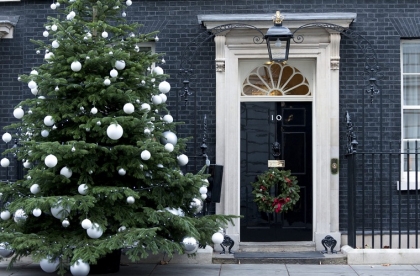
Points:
(412, 174)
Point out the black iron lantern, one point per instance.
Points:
(278, 40)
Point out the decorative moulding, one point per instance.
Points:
(7, 24)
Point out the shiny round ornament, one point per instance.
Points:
(182, 160)
(147, 131)
(55, 44)
(35, 188)
(94, 110)
(66, 172)
(164, 87)
(95, 231)
(122, 229)
(82, 189)
(45, 33)
(158, 70)
(45, 133)
(107, 82)
(59, 212)
(122, 171)
(49, 121)
(86, 224)
(128, 108)
(50, 161)
(130, 200)
(113, 73)
(76, 66)
(196, 205)
(156, 99)
(53, 6)
(34, 72)
(34, 91)
(169, 137)
(54, 27)
(49, 265)
(48, 56)
(163, 97)
(7, 137)
(168, 118)
(5, 250)
(104, 34)
(18, 113)
(128, 2)
(80, 268)
(190, 245)
(145, 155)
(203, 190)
(203, 196)
(123, 14)
(217, 238)
(120, 64)
(36, 212)
(5, 215)
(145, 107)
(20, 216)
(65, 223)
(114, 131)
(169, 147)
(5, 162)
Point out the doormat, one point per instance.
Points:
(279, 255)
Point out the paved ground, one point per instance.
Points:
(27, 268)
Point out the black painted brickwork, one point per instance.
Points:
(381, 22)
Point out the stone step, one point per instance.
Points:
(300, 246)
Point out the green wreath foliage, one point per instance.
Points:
(287, 189)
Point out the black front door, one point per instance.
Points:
(290, 124)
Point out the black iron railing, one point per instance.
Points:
(384, 198)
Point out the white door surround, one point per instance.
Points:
(235, 46)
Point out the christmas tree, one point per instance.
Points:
(102, 161)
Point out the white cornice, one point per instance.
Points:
(7, 24)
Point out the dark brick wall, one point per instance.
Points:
(380, 22)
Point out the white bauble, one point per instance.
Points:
(95, 231)
(203, 196)
(145, 107)
(50, 161)
(5, 215)
(55, 44)
(54, 27)
(86, 224)
(34, 72)
(45, 133)
(49, 265)
(130, 200)
(182, 160)
(82, 189)
(5, 250)
(156, 99)
(114, 131)
(66, 172)
(107, 81)
(94, 110)
(113, 73)
(168, 118)
(128, 108)
(169, 137)
(217, 238)
(158, 70)
(147, 131)
(32, 84)
(18, 113)
(53, 6)
(164, 87)
(35, 188)
(76, 66)
(169, 147)
(203, 190)
(145, 155)
(122, 229)
(164, 97)
(45, 33)
(5, 162)
(172, 211)
(48, 56)
(80, 268)
(122, 171)
(190, 245)
(128, 2)
(48, 120)
(120, 64)
(59, 212)
(27, 164)
(65, 223)
(36, 212)
(20, 216)
(7, 137)
(34, 91)
(104, 34)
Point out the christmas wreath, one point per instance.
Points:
(285, 185)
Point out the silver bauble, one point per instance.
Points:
(190, 245)
(5, 250)
(196, 205)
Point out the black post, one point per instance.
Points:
(351, 201)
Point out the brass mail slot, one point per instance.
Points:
(276, 163)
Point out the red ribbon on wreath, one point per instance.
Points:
(278, 204)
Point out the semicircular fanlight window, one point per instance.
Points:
(276, 80)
